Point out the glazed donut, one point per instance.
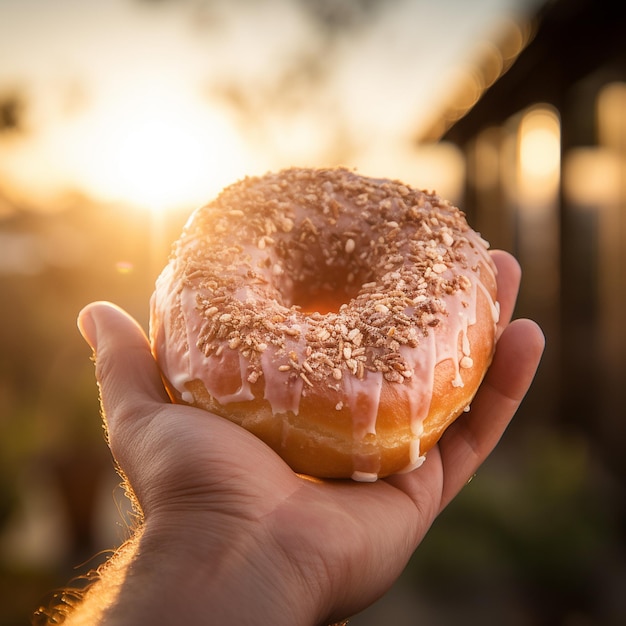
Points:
(344, 320)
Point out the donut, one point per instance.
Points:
(344, 320)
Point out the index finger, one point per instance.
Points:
(508, 279)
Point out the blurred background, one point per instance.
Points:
(118, 118)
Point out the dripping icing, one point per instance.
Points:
(184, 361)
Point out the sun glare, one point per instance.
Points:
(158, 151)
(155, 162)
(155, 147)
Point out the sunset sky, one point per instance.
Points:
(161, 103)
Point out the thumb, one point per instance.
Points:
(126, 371)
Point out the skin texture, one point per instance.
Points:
(230, 534)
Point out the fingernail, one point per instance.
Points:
(87, 328)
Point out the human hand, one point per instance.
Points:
(230, 533)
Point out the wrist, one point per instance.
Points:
(231, 572)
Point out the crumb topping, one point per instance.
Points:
(267, 246)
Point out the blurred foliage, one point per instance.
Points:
(46, 382)
(49, 412)
(329, 14)
(541, 519)
(12, 109)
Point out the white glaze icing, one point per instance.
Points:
(281, 390)
(363, 398)
(364, 477)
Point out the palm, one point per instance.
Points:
(331, 522)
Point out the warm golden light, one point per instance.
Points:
(592, 177)
(154, 146)
(438, 167)
(611, 117)
(118, 95)
(532, 184)
(539, 156)
(158, 150)
(156, 162)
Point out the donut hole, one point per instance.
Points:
(324, 299)
(319, 270)
(339, 287)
